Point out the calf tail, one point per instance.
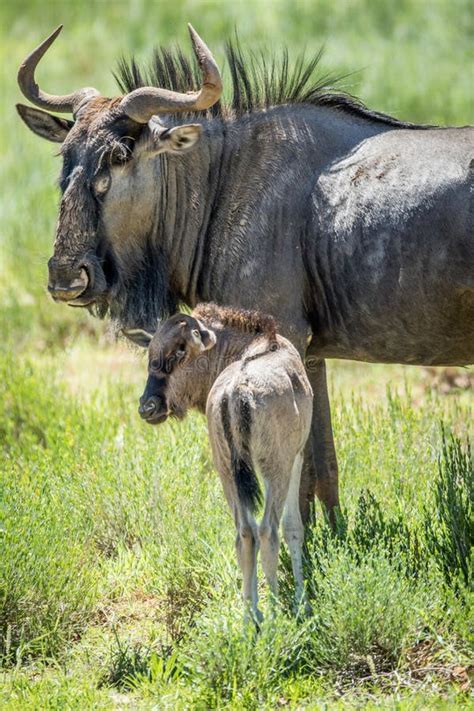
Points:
(248, 487)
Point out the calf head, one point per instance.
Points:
(177, 344)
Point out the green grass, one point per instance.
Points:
(118, 581)
(118, 571)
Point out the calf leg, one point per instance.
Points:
(246, 543)
(246, 546)
(268, 531)
(319, 474)
(293, 531)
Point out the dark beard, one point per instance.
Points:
(141, 297)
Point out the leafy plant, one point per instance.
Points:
(135, 663)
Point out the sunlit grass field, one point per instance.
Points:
(118, 581)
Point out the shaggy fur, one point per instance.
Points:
(240, 319)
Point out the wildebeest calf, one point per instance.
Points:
(251, 383)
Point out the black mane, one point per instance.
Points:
(257, 82)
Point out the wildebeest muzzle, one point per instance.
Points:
(79, 283)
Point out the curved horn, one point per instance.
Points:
(141, 104)
(30, 89)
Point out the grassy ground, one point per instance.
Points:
(118, 584)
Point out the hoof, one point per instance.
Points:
(254, 617)
(302, 608)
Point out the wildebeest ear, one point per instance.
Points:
(53, 128)
(138, 336)
(181, 138)
(173, 140)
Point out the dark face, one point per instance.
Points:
(108, 187)
(83, 270)
(176, 344)
(153, 407)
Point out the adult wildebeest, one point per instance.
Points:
(352, 228)
(251, 383)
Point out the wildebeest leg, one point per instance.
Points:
(319, 475)
(293, 531)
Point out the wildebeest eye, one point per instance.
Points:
(122, 151)
(155, 364)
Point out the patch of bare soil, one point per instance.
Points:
(424, 667)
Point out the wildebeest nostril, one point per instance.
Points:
(147, 408)
(66, 287)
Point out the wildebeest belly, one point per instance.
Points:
(394, 254)
(440, 335)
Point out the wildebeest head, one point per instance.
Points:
(178, 341)
(104, 153)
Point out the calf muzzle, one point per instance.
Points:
(153, 410)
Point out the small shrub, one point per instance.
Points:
(449, 526)
(367, 529)
(363, 608)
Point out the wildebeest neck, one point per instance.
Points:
(230, 212)
(159, 242)
(189, 189)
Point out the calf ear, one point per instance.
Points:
(138, 336)
(172, 140)
(53, 128)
